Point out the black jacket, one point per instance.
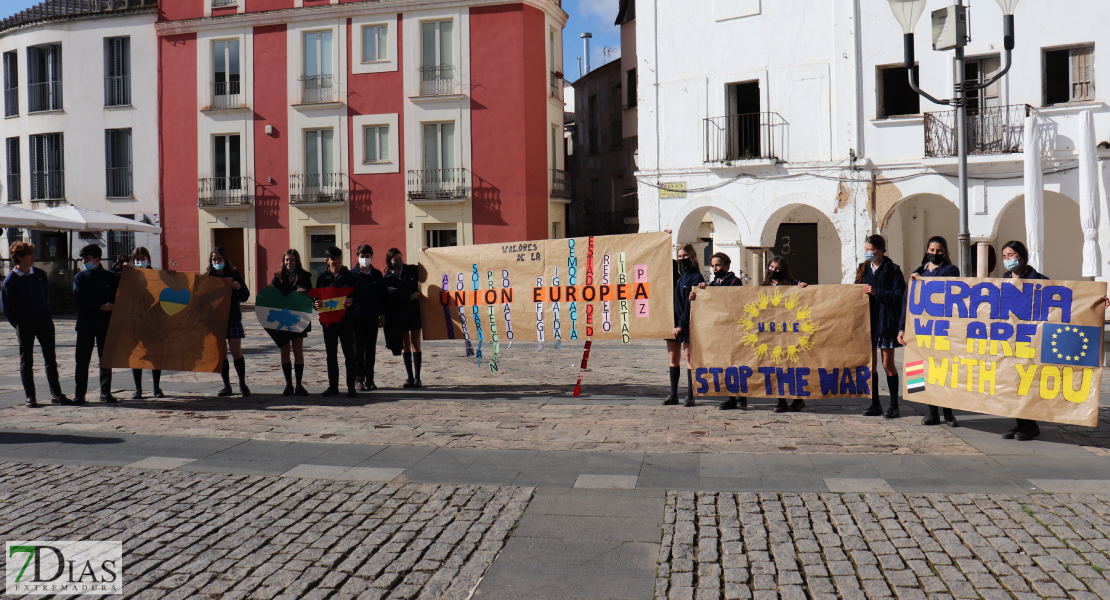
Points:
(369, 294)
(1030, 273)
(343, 279)
(945, 270)
(25, 295)
(687, 280)
(888, 299)
(302, 280)
(235, 314)
(729, 280)
(399, 287)
(91, 290)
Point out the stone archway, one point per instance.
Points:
(914, 219)
(715, 219)
(805, 235)
(1063, 236)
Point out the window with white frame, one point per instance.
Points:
(437, 58)
(317, 80)
(117, 159)
(226, 84)
(117, 71)
(47, 166)
(318, 158)
(375, 143)
(439, 146)
(13, 180)
(375, 45)
(44, 78)
(11, 84)
(1069, 75)
(226, 162)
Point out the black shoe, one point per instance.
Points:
(244, 390)
(373, 386)
(362, 387)
(330, 392)
(743, 403)
(110, 399)
(158, 393)
(781, 407)
(930, 420)
(225, 392)
(670, 400)
(288, 391)
(891, 413)
(138, 395)
(728, 404)
(1011, 434)
(79, 400)
(689, 402)
(1027, 434)
(951, 422)
(409, 383)
(300, 391)
(874, 411)
(60, 400)
(352, 392)
(31, 402)
(417, 384)
(797, 405)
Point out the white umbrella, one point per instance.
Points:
(1034, 194)
(1088, 195)
(94, 220)
(13, 216)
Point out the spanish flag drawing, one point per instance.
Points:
(331, 303)
(915, 377)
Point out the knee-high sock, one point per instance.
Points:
(138, 375)
(934, 411)
(287, 370)
(241, 369)
(892, 384)
(689, 383)
(156, 376)
(407, 356)
(675, 373)
(416, 363)
(226, 374)
(875, 391)
(299, 369)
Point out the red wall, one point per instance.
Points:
(177, 82)
(261, 5)
(173, 10)
(271, 152)
(508, 123)
(377, 201)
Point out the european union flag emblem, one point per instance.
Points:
(1071, 345)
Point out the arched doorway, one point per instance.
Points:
(713, 225)
(1063, 236)
(807, 237)
(913, 220)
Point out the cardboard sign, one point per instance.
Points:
(168, 321)
(781, 342)
(280, 312)
(1024, 348)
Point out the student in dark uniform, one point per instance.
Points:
(936, 263)
(723, 277)
(337, 275)
(94, 292)
(219, 265)
(778, 274)
(292, 278)
(370, 291)
(140, 259)
(689, 277)
(402, 323)
(25, 302)
(1015, 257)
(886, 289)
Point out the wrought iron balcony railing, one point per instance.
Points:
(119, 183)
(14, 191)
(48, 185)
(44, 96)
(437, 81)
(318, 89)
(225, 191)
(224, 3)
(556, 85)
(11, 102)
(227, 95)
(559, 184)
(436, 184)
(990, 130)
(313, 188)
(117, 90)
(752, 136)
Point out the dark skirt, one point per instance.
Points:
(235, 331)
(282, 338)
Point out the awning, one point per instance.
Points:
(13, 216)
(93, 220)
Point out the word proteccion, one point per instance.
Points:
(563, 293)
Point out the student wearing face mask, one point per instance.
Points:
(25, 302)
(689, 276)
(292, 278)
(722, 277)
(140, 259)
(219, 265)
(778, 274)
(886, 290)
(94, 292)
(402, 323)
(936, 263)
(368, 317)
(337, 275)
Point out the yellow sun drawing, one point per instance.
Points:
(802, 315)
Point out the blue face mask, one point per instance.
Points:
(218, 266)
(869, 256)
(1011, 264)
(141, 264)
(89, 266)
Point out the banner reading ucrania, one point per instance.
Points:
(781, 342)
(616, 287)
(1025, 348)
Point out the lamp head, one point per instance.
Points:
(908, 12)
(1008, 6)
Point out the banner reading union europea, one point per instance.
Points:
(1024, 348)
(781, 342)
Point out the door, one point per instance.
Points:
(743, 121)
(232, 240)
(318, 160)
(798, 243)
(319, 240)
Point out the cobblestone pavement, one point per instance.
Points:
(235, 536)
(943, 546)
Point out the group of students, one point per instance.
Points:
(386, 300)
(885, 287)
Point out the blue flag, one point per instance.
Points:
(1071, 345)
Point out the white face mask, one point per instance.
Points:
(141, 264)
(364, 263)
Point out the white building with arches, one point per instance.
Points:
(789, 127)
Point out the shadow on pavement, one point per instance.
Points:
(18, 438)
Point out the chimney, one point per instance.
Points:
(586, 49)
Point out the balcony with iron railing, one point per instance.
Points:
(317, 188)
(749, 137)
(48, 186)
(560, 186)
(11, 102)
(437, 81)
(45, 96)
(227, 95)
(14, 194)
(225, 191)
(436, 184)
(318, 89)
(990, 130)
(117, 91)
(224, 3)
(557, 85)
(119, 183)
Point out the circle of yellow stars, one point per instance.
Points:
(1060, 330)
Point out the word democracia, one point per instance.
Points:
(562, 293)
(792, 381)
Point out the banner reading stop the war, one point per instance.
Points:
(616, 287)
(1024, 348)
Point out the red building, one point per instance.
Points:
(310, 123)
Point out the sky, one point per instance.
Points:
(594, 16)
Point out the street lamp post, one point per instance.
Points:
(908, 12)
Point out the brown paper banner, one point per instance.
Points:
(616, 287)
(168, 321)
(781, 342)
(1024, 348)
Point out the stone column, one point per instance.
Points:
(982, 248)
(758, 264)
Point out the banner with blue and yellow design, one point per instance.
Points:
(1024, 348)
